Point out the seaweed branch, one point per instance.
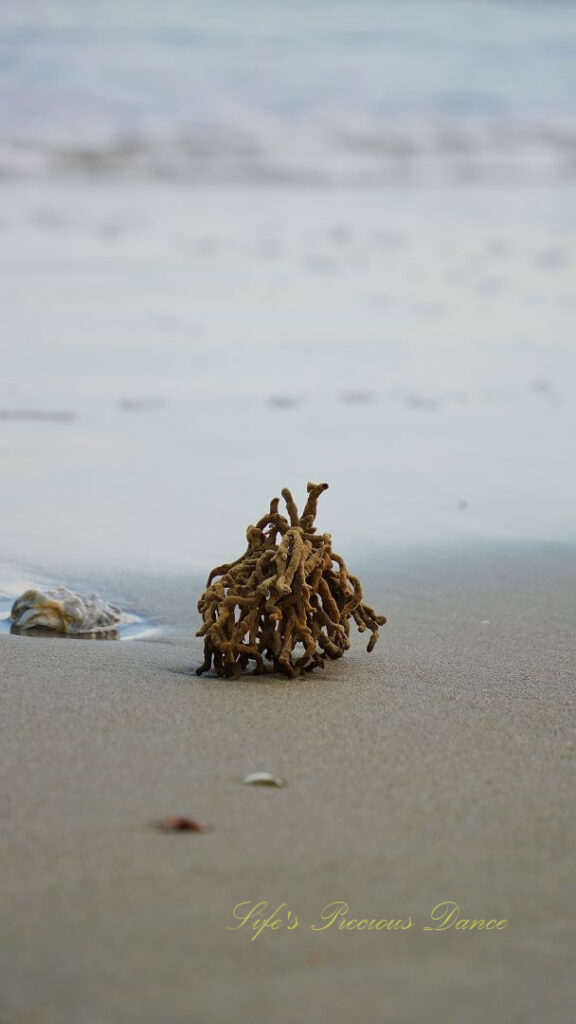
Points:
(287, 603)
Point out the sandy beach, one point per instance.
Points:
(189, 352)
(244, 247)
(441, 767)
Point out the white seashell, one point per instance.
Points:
(63, 611)
(263, 779)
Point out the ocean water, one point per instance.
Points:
(320, 91)
(193, 320)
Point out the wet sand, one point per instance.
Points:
(441, 767)
(191, 351)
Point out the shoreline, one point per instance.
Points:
(168, 597)
(439, 767)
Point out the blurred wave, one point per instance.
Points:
(321, 91)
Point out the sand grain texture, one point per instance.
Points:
(441, 767)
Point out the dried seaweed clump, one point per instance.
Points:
(288, 600)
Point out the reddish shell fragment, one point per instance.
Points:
(181, 825)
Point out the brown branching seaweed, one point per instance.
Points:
(284, 591)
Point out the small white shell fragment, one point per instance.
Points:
(263, 779)
(63, 611)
